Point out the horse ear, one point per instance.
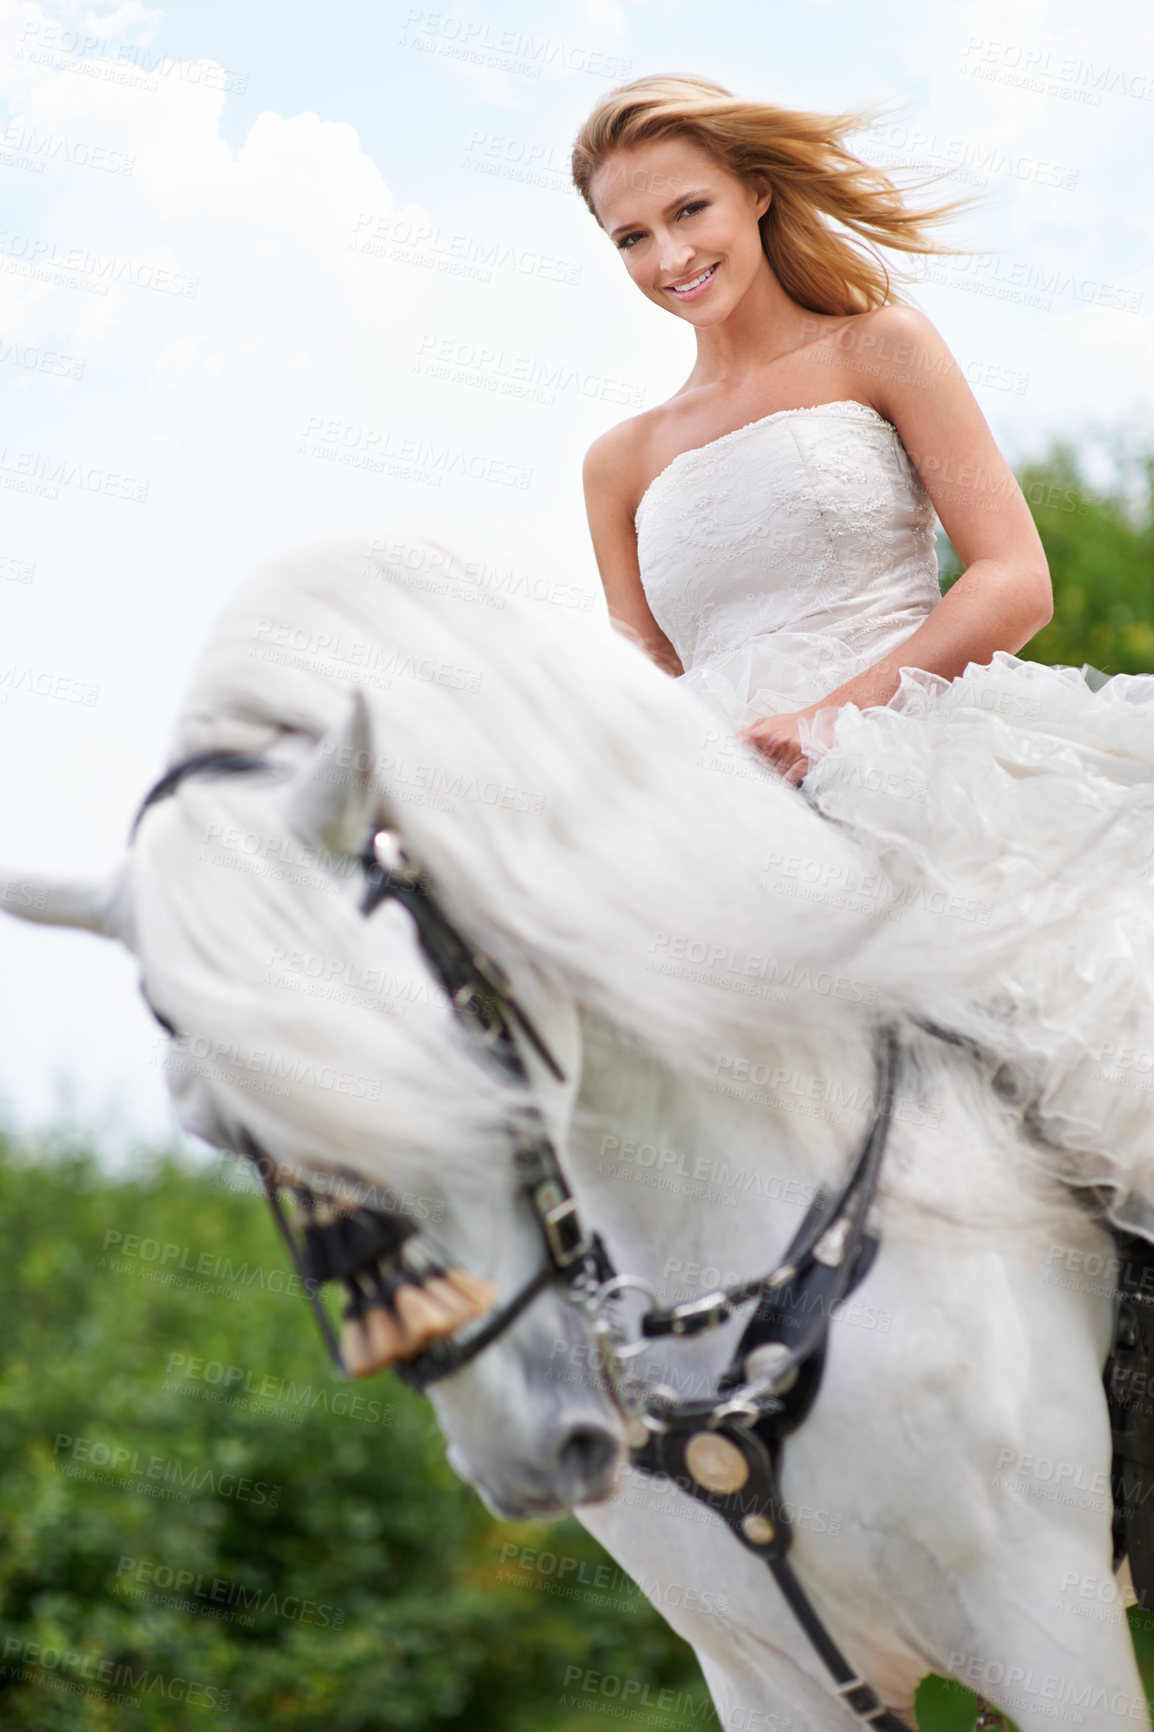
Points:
(333, 798)
(102, 907)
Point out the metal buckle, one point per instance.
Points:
(698, 1315)
(830, 1248)
(741, 1410)
(564, 1235)
(780, 1277)
(852, 1685)
(607, 1336)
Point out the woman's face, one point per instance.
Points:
(685, 226)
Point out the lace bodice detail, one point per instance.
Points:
(784, 557)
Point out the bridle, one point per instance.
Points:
(338, 1246)
(725, 1450)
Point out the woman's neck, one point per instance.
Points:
(764, 328)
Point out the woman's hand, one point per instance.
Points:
(777, 739)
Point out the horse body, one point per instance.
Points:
(952, 1365)
(716, 1033)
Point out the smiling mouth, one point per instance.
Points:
(694, 283)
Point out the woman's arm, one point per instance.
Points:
(1003, 595)
(609, 476)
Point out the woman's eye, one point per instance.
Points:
(627, 241)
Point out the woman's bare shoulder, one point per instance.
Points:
(894, 345)
(617, 455)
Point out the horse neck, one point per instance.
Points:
(696, 1181)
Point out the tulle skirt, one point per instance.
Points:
(1018, 801)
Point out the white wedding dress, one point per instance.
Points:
(787, 556)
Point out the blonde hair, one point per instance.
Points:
(812, 175)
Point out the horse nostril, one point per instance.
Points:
(584, 1464)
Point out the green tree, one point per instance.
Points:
(1099, 542)
(201, 1527)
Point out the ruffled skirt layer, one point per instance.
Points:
(1018, 802)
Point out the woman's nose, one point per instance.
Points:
(675, 259)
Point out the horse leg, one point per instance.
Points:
(763, 1689)
(1044, 1645)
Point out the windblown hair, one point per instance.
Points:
(816, 182)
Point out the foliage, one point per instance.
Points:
(1099, 542)
(266, 1545)
(304, 1566)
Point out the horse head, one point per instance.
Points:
(555, 788)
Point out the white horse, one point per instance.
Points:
(645, 888)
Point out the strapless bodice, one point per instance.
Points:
(785, 557)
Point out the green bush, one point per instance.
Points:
(1100, 546)
(336, 1574)
(200, 1527)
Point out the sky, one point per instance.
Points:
(271, 273)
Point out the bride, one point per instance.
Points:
(717, 208)
(766, 536)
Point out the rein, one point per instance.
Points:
(724, 1451)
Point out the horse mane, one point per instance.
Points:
(572, 806)
(578, 814)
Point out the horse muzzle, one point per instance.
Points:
(583, 1467)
